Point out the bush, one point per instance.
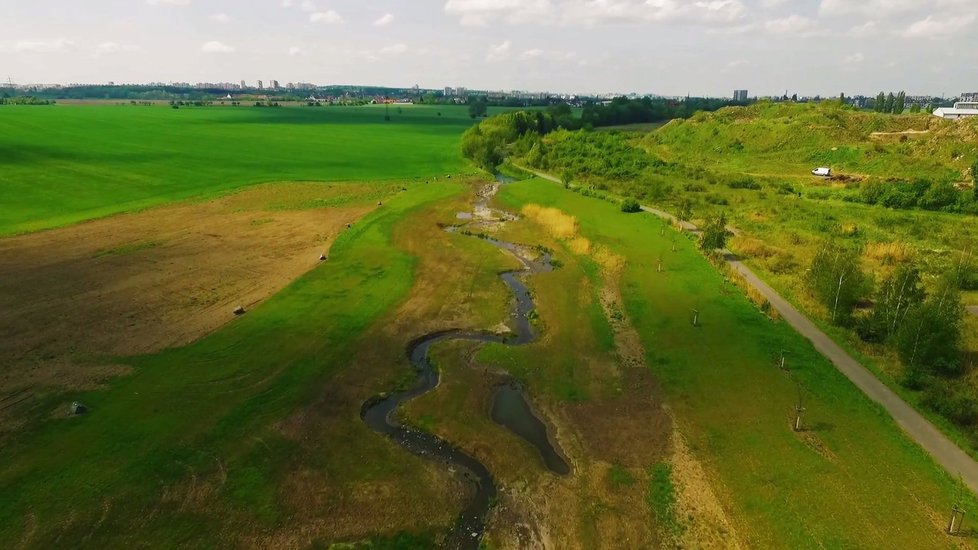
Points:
(960, 409)
(745, 182)
(630, 206)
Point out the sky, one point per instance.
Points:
(669, 47)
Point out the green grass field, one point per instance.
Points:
(68, 163)
(251, 436)
(210, 409)
(852, 480)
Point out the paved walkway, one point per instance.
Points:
(944, 451)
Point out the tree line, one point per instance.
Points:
(893, 103)
(922, 324)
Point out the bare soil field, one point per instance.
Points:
(74, 298)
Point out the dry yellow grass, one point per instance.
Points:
(889, 253)
(753, 248)
(557, 224)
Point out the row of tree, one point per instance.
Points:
(890, 103)
(5, 99)
(924, 329)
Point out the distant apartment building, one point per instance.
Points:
(449, 91)
(261, 85)
(244, 84)
(969, 97)
(740, 95)
(274, 84)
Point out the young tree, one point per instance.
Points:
(715, 233)
(890, 103)
(901, 103)
(893, 300)
(566, 177)
(929, 341)
(915, 108)
(837, 281)
(880, 103)
(685, 210)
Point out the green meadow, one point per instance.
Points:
(67, 163)
(850, 480)
(209, 410)
(251, 436)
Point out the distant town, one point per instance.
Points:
(274, 91)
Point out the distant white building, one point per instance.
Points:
(969, 97)
(740, 95)
(961, 109)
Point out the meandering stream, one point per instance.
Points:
(509, 408)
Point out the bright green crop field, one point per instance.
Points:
(68, 163)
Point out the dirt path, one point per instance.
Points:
(921, 430)
(973, 310)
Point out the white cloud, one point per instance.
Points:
(328, 16)
(853, 62)
(595, 12)
(296, 50)
(384, 20)
(220, 17)
(216, 47)
(395, 49)
(553, 56)
(888, 9)
(793, 24)
(109, 48)
(43, 46)
(866, 30)
(168, 2)
(939, 27)
(308, 5)
(499, 52)
(287, 3)
(736, 64)
(867, 8)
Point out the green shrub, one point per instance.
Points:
(630, 206)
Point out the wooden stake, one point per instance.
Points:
(957, 516)
(696, 317)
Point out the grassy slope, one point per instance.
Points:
(211, 406)
(853, 480)
(789, 140)
(64, 164)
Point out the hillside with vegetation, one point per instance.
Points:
(895, 223)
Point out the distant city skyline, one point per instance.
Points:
(667, 47)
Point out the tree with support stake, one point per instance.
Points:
(957, 511)
(799, 407)
(696, 318)
(782, 361)
(659, 268)
(957, 516)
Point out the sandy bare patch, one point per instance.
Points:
(143, 282)
(698, 508)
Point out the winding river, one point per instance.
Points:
(509, 408)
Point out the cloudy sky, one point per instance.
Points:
(670, 47)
